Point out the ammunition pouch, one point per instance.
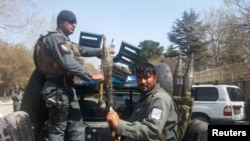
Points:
(59, 115)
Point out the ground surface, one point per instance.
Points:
(6, 107)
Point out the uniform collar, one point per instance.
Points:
(60, 31)
(153, 91)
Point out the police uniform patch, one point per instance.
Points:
(156, 113)
(64, 48)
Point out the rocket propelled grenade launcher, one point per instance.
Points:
(182, 82)
(182, 94)
(107, 67)
(188, 77)
(178, 78)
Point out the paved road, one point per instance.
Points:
(6, 107)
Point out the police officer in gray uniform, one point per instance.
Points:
(154, 116)
(16, 97)
(58, 60)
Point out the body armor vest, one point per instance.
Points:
(46, 63)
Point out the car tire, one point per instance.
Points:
(202, 118)
(197, 131)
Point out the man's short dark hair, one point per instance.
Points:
(146, 68)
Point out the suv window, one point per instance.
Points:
(205, 94)
(235, 94)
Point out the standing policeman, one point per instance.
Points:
(58, 59)
(16, 97)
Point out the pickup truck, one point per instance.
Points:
(94, 115)
(125, 93)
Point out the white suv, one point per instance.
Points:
(219, 104)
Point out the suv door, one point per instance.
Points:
(238, 101)
(207, 103)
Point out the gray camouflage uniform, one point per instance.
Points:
(66, 120)
(153, 114)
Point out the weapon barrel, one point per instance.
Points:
(110, 94)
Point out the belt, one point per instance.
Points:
(60, 79)
(55, 75)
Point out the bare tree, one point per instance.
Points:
(16, 65)
(244, 26)
(17, 18)
(227, 41)
(38, 26)
(17, 14)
